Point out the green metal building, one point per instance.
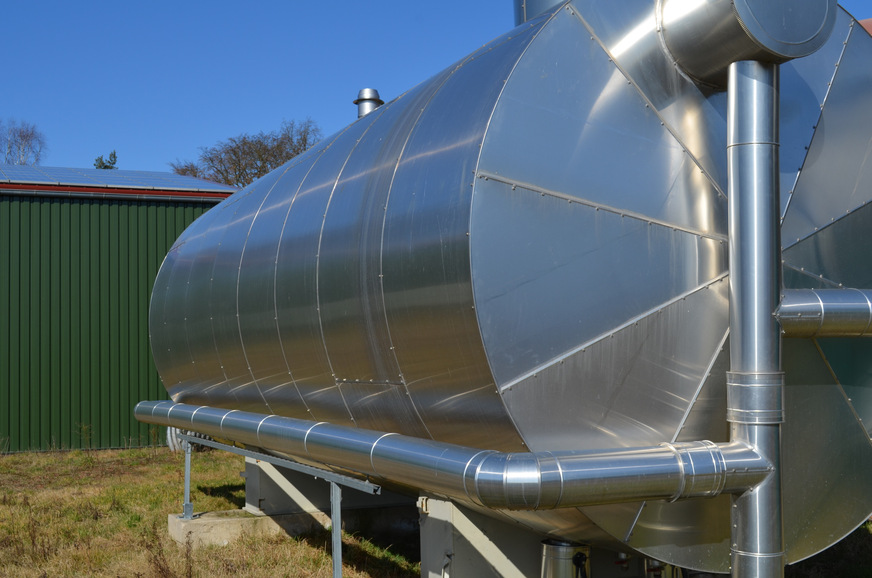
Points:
(79, 251)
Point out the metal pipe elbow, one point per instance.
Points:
(705, 36)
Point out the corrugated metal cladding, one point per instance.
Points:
(75, 279)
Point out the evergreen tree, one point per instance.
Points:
(99, 163)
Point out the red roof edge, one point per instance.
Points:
(113, 191)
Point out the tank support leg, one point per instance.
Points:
(755, 380)
(188, 506)
(336, 522)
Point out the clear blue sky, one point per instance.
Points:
(155, 80)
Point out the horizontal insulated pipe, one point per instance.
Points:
(515, 481)
(825, 312)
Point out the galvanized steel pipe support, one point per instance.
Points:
(514, 481)
(825, 313)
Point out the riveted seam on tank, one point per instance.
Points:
(599, 206)
(833, 221)
(603, 336)
(823, 104)
(643, 96)
(806, 273)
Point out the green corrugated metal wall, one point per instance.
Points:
(75, 281)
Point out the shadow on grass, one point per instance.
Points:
(399, 562)
(233, 493)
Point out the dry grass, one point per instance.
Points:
(103, 513)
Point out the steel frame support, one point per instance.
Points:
(755, 382)
(336, 529)
(187, 506)
(320, 473)
(335, 480)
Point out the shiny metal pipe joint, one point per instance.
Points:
(825, 313)
(755, 397)
(706, 36)
(500, 480)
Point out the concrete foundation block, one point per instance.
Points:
(221, 528)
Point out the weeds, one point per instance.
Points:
(157, 559)
(26, 540)
(104, 513)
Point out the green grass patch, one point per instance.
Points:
(104, 513)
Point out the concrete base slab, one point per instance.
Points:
(221, 528)
(392, 524)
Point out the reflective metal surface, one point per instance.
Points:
(839, 149)
(528, 9)
(825, 313)
(755, 382)
(528, 252)
(706, 36)
(514, 481)
(628, 31)
(367, 101)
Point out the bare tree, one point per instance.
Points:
(189, 169)
(241, 159)
(21, 143)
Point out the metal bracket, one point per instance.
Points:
(187, 506)
(327, 475)
(335, 480)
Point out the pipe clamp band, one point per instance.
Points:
(702, 467)
(755, 398)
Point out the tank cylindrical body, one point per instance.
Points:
(528, 9)
(529, 252)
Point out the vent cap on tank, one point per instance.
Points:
(367, 101)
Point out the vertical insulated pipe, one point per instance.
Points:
(755, 381)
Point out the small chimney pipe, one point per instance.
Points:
(367, 101)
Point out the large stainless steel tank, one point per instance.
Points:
(528, 252)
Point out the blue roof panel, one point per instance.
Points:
(25, 174)
(116, 178)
